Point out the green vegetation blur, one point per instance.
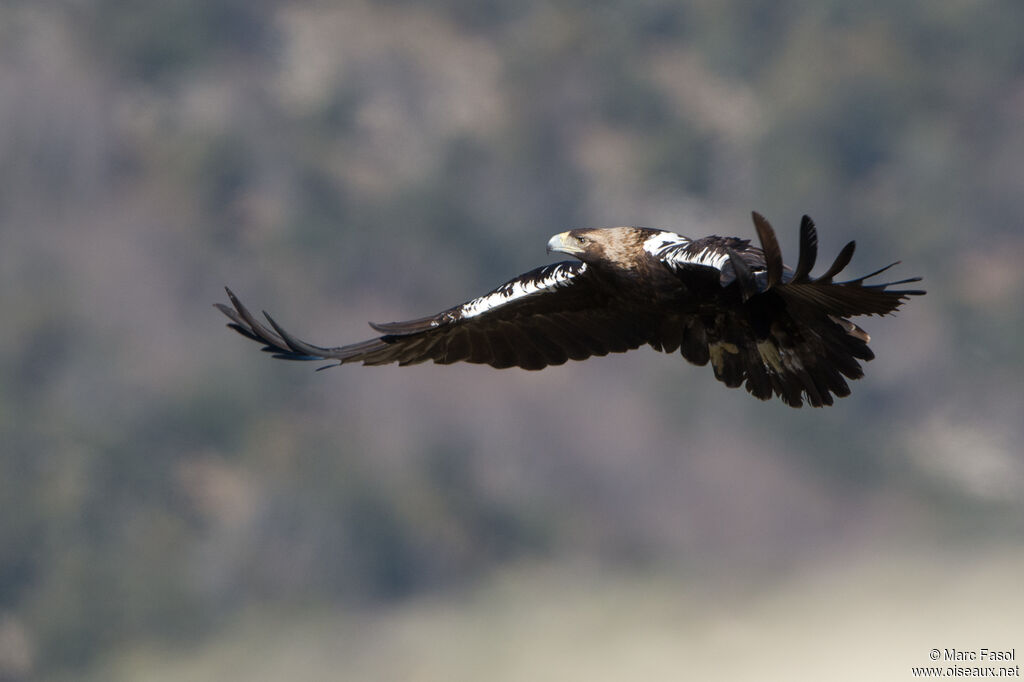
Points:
(161, 481)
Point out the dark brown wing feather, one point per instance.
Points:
(781, 332)
(770, 249)
(808, 250)
(513, 326)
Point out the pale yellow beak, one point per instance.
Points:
(563, 243)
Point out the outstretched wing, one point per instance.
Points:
(543, 317)
(776, 330)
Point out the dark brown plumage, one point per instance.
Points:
(715, 299)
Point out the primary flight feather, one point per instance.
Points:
(716, 299)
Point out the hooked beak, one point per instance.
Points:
(563, 243)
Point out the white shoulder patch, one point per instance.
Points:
(664, 241)
(677, 251)
(547, 278)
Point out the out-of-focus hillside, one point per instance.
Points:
(337, 163)
(581, 624)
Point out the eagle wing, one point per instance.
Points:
(543, 317)
(772, 328)
(776, 330)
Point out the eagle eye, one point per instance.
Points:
(580, 239)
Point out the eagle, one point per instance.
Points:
(719, 300)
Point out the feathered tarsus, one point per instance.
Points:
(719, 300)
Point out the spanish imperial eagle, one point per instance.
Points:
(717, 299)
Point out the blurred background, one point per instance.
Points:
(174, 505)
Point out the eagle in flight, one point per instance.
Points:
(717, 299)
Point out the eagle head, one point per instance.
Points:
(615, 245)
